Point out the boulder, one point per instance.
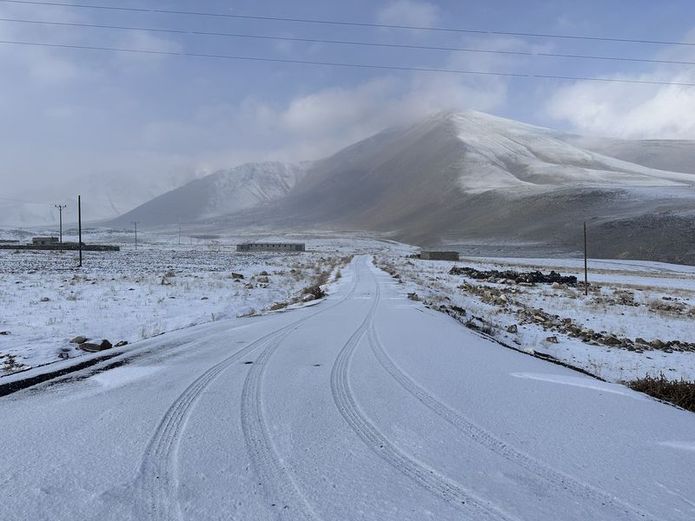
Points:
(93, 348)
(308, 297)
(513, 329)
(121, 343)
(79, 340)
(237, 276)
(657, 344)
(552, 340)
(611, 340)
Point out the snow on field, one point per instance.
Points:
(132, 295)
(638, 306)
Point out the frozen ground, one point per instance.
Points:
(366, 406)
(628, 300)
(132, 295)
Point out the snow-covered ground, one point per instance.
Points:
(367, 406)
(132, 295)
(630, 300)
(135, 294)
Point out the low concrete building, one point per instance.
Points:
(271, 246)
(44, 241)
(440, 255)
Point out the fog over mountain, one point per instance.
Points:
(221, 193)
(457, 177)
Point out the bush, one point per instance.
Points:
(314, 290)
(678, 392)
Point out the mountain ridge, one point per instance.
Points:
(465, 176)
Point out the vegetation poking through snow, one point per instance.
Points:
(678, 392)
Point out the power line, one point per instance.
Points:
(347, 23)
(345, 65)
(344, 42)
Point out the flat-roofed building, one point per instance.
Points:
(44, 241)
(440, 255)
(271, 246)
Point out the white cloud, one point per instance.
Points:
(409, 12)
(123, 141)
(630, 110)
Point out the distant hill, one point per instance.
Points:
(456, 177)
(221, 193)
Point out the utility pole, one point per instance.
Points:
(135, 224)
(586, 265)
(61, 207)
(79, 226)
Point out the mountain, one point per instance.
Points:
(221, 193)
(665, 154)
(467, 177)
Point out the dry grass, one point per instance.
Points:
(679, 392)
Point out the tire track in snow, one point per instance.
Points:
(280, 489)
(428, 478)
(157, 482)
(277, 484)
(555, 478)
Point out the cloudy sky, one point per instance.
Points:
(122, 127)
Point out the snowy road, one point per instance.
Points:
(366, 406)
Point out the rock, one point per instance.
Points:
(552, 340)
(263, 273)
(237, 276)
(203, 298)
(413, 296)
(94, 348)
(63, 355)
(79, 340)
(308, 297)
(4, 333)
(45, 299)
(263, 279)
(513, 329)
(611, 340)
(657, 344)
(121, 343)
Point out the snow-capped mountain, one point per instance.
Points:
(221, 193)
(457, 177)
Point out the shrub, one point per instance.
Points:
(314, 290)
(679, 392)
